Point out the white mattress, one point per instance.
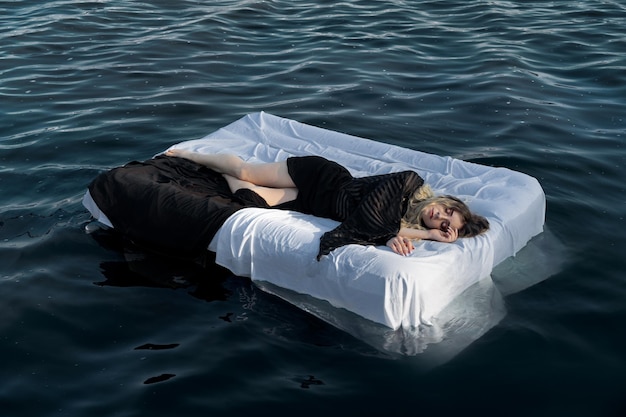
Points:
(277, 249)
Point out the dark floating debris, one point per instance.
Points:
(306, 384)
(160, 378)
(152, 346)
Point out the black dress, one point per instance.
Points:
(176, 205)
(370, 209)
(169, 205)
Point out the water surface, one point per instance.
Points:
(90, 327)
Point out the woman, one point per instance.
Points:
(391, 209)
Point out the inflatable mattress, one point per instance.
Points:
(277, 249)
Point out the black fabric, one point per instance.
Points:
(176, 205)
(168, 204)
(318, 181)
(370, 208)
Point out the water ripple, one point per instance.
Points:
(535, 86)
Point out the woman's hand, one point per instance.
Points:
(448, 236)
(401, 245)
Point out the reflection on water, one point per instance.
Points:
(543, 257)
(472, 314)
(203, 278)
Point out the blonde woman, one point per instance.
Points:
(391, 209)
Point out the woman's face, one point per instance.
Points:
(438, 216)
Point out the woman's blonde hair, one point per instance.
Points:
(473, 224)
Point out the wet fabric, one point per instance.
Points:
(167, 204)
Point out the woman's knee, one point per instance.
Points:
(273, 174)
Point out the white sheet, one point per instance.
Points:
(279, 247)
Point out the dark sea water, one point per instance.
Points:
(90, 328)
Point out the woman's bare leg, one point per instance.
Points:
(272, 174)
(273, 196)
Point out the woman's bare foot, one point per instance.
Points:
(178, 153)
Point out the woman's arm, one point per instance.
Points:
(449, 236)
(402, 244)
